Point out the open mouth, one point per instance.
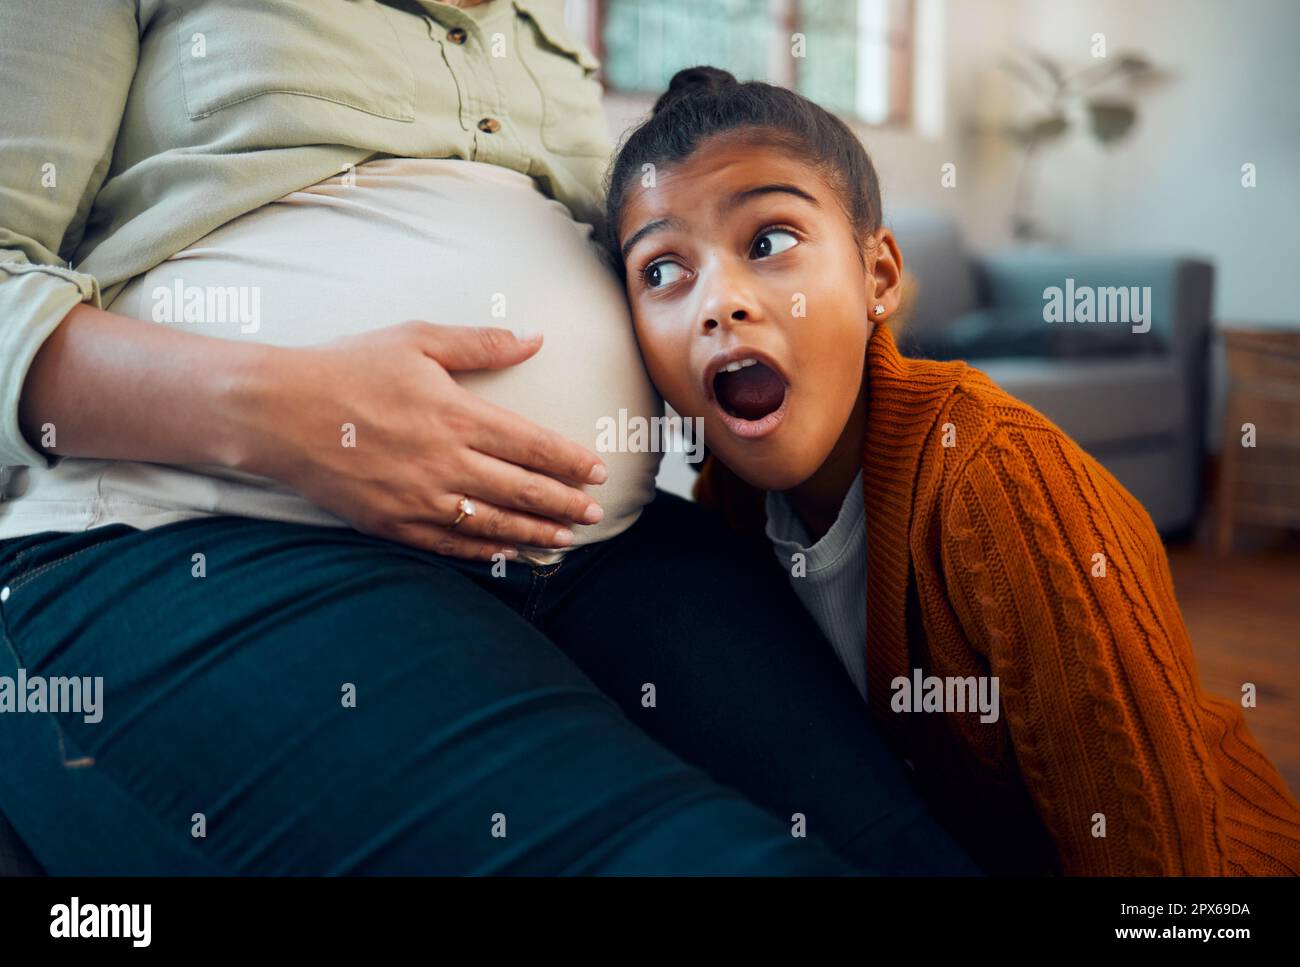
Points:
(749, 389)
(751, 394)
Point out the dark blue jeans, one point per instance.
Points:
(654, 704)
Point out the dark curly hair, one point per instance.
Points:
(704, 101)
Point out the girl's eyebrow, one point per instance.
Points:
(740, 197)
(659, 224)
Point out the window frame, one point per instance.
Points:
(784, 69)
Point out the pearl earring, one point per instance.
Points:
(880, 309)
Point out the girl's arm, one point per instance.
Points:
(1060, 580)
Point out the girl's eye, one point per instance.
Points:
(773, 242)
(662, 273)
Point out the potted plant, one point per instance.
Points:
(1068, 99)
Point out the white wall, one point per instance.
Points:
(1175, 184)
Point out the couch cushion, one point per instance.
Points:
(1103, 340)
(1098, 401)
(1019, 277)
(990, 332)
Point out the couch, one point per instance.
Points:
(1134, 400)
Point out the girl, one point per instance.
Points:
(1066, 728)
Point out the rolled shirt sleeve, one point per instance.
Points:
(65, 70)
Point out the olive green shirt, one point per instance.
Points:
(133, 128)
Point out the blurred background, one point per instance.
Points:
(1115, 143)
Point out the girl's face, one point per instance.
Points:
(752, 304)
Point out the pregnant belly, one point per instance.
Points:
(452, 242)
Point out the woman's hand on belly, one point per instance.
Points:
(372, 428)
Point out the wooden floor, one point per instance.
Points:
(1243, 614)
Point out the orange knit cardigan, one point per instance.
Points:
(1108, 757)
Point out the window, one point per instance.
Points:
(851, 56)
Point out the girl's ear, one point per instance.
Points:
(884, 268)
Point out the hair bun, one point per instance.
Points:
(694, 80)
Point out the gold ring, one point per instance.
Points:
(466, 508)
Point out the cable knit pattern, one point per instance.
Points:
(984, 520)
(1120, 752)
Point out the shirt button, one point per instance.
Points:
(490, 125)
(457, 35)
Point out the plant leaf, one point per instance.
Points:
(1041, 129)
(1132, 62)
(1111, 120)
(1029, 78)
(1049, 67)
(1048, 128)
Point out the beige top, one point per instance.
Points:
(451, 241)
(134, 128)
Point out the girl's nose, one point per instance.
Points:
(728, 300)
(737, 315)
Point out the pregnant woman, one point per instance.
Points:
(338, 606)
